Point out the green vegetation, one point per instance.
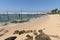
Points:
(54, 11)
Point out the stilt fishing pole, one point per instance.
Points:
(7, 16)
(7, 19)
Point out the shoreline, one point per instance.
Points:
(51, 25)
(30, 20)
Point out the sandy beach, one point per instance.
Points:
(51, 23)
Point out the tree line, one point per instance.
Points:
(54, 11)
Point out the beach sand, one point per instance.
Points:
(51, 23)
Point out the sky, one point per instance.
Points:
(29, 5)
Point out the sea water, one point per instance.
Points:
(9, 17)
(12, 17)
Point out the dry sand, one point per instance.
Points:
(51, 23)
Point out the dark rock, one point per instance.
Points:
(11, 38)
(40, 31)
(22, 32)
(29, 37)
(16, 32)
(42, 36)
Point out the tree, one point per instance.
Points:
(58, 11)
(54, 10)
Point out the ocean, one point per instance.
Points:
(8, 18)
(11, 17)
